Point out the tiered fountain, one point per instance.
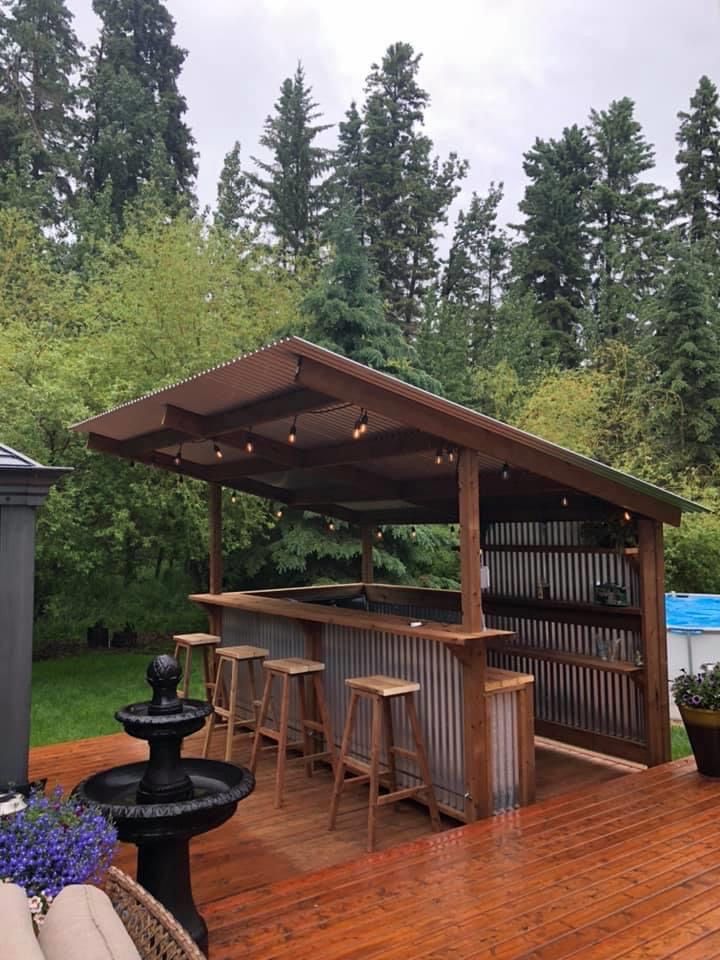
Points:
(160, 805)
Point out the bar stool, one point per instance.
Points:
(287, 670)
(380, 691)
(233, 657)
(186, 643)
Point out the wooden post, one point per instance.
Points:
(654, 639)
(215, 558)
(366, 567)
(476, 734)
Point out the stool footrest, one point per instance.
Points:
(314, 725)
(399, 795)
(407, 754)
(362, 778)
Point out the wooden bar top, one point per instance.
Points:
(359, 619)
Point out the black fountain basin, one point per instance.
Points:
(217, 788)
(161, 804)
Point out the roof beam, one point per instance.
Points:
(287, 404)
(460, 427)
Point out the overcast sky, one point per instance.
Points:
(499, 72)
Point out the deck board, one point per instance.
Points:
(626, 867)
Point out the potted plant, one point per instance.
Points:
(698, 698)
(51, 842)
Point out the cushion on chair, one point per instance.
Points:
(81, 923)
(18, 937)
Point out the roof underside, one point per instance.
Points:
(389, 474)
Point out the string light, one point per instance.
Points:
(364, 419)
(439, 457)
(413, 533)
(180, 479)
(505, 472)
(217, 451)
(249, 443)
(627, 516)
(279, 512)
(357, 430)
(564, 502)
(177, 459)
(292, 436)
(233, 497)
(451, 455)
(378, 534)
(331, 525)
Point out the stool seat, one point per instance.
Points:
(383, 686)
(241, 652)
(196, 639)
(294, 665)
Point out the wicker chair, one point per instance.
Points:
(155, 932)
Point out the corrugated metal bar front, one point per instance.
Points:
(505, 760)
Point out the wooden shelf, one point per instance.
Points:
(563, 611)
(560, 656)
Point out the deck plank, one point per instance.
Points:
(624, 867)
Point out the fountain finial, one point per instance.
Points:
(163, 675)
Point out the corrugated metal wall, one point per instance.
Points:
(349, 652)
(577, 696)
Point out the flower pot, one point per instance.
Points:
(703, 730)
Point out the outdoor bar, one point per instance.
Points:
(558, 625)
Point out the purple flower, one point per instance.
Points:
(695, 700)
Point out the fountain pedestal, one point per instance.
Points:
(160, 805)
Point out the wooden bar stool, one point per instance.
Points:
(225, 705)
(380, 691)
(206, 643)
(286, 670)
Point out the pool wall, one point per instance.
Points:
(689, 648)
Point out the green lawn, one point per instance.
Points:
(76, 697)
(679, 741)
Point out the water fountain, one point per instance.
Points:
(160, 805)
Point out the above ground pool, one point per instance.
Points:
(693, 633)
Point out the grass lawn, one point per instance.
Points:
(76, 697)
(679, 741)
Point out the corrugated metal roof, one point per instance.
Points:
(278, 368)
(10, 459)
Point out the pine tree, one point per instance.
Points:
(551, 260)
(698, 199)
(686, 352)
(293, 192)
(347, 179)
(135, 126)
(477, 263)
(236, 209)
(406, 192)
(39, 55)
(626, 221)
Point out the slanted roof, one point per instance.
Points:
(390, 474)
(22, 477)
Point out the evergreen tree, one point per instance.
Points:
(686, 352)
(626, 221)
(293, 193)
(39, 54)
(477, 264)
(698, 199)
(347, 179)
(551, 260)
(236, 202)
(405, 191)
(135, 127)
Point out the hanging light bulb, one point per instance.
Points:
(439, 457)
(177, 459)
(564, 502)
(364, 422)
(451, 455)
(249, 443)
(378, 534)
(413, 533)
(505, 472)
(357, 430)
(279, 512)
(331, 525)
(217, 451)
(180, 479)
(627, 516)
(292, 436)
(233, 497)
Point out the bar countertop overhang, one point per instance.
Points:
(302, 609)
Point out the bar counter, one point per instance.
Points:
(351, 629)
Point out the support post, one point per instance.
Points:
(654, 640)
(215, 558)
(476, 713)
(366, 568)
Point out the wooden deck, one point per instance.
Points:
(626, 868)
